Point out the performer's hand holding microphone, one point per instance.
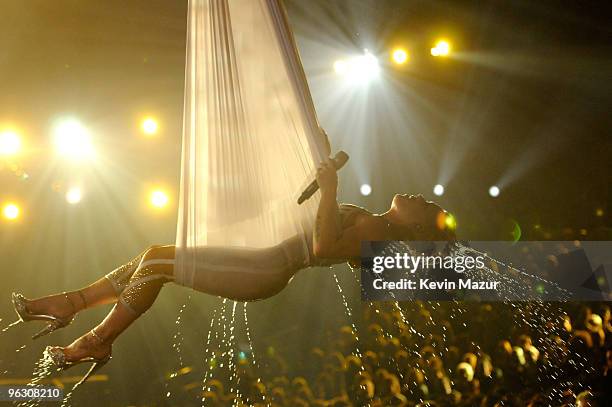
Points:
(326, 175)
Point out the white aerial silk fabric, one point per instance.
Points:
(251, 140)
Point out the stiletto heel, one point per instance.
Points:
(94, 368)
(54, 323)
(50, 327)
(58, 358)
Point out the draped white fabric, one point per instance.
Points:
(250, 134)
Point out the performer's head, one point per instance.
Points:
(414, 218)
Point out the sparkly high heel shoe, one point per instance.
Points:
(56, 355)
(54, 323)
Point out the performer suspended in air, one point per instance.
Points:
(241, 274)
(250, 137)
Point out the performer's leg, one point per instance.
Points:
(105, 290)
(242, 274)
(155, 269)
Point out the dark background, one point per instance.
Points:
(524, 102)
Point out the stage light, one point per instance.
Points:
(10, 143)
(74, 195)
(72, 140)
(10, 211)
(441, 49)
(599, 212)
(365, 189)
(399, 56)
(149, 126)
(363, 68)
(438, 190)
(494, 191)
(340, 67)
(359, 69)
(158, 199)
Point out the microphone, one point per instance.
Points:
(339, 160)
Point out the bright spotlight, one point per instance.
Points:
(364, 68)
(441, 49)
(149, 126)
(158, 199)
(10, 143)
(10, 211)
(73, 140)
(365, 189)
(438, 190)
(358, 70)
(399, 56)
(340, 67)
(494, 191)
(74, 195)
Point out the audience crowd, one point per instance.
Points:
(439, 354)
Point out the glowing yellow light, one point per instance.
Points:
(159, 199)
(445, 220)
(10, 211)
(10, 143)
(340, 67)
(599, 212)
(74, 195)
(72, 140)
(450, 222)
(400, 56)
(441, 49)
(149, 126)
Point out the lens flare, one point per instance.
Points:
(450, 221)
(516, 231)
(446, 220)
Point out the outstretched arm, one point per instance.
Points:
(329, 240)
